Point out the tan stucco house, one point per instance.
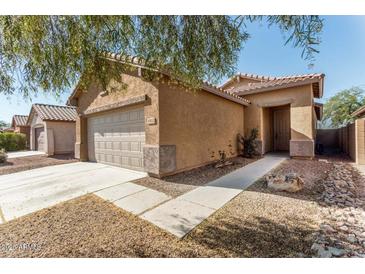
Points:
(52, 128)
(162, 128)
(19, 124)
(283, 109)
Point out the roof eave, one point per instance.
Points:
(358, 112)
(226, 96)
(30, 116)
(288, 85)
(321, 86)
(320, 107)
(215, 90)
(230, 80)
(57, 120)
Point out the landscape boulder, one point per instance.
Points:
(290, 183)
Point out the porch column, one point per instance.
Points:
(81, 139)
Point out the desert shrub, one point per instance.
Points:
(11, 141)
(3, 156)
(248, 145)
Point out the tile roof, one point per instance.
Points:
(219, 91)
(140, 62)
(272, 83)
(55, 113)
(19, 120)
(359, 112)
(247, 76)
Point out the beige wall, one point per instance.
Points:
(360, 135)
(93, 98)
(301, 117)
(352, 140)
(63, 136)
(199, 124)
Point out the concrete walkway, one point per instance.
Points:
(133, 198)
(19, 154)
(181, 215)
(25, 192)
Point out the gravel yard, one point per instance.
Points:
(181, 183)
(342, 229)
(312, 172)
(25, 163)
(257, 223)
(78, 229)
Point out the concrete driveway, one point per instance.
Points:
(26, 153)
(24, 192)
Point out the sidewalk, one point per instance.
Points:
(182, 214)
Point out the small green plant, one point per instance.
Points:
(3, 156)
(10, 141)
(248, 146)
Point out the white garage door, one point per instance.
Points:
(117, 139)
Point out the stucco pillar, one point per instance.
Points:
(301, 142)
(32, 138)
(50, 142)
(81, 139)
(360, 141)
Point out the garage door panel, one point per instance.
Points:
(39, 139)
(117, 139)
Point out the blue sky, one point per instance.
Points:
(341, 58)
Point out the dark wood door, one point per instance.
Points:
(281, 129)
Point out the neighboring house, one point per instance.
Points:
(282, 109)
(19, 124)
(52, 128)
(9, 129)
(163, 128)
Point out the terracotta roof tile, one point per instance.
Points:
(19, 120)
(55, 113)
(272, 83)
(134, 60)
(359, 112)
(220, 90)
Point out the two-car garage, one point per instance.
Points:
(117, 138)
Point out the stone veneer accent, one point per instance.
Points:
(301, 148)
(159, 160)
(128, 102)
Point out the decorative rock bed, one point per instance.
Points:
(342, 232)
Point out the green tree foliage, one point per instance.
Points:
(248, 145)
(4, 124)
(10, 141)
(51, 53)
(337, 110)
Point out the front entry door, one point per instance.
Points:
(281, 129)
